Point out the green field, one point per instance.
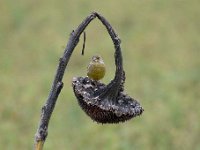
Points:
(161, 53)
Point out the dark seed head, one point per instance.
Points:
(104, 110)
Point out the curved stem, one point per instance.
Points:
(111, 89)
(57, 85)
(116, 42)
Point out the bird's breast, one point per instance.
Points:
(96, 71)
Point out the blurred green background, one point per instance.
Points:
(161, 50)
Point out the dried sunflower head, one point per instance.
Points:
(104, 109)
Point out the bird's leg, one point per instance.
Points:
(95, 83)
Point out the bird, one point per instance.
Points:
(96, 68)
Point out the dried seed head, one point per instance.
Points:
(104, 110)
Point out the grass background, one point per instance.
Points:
(161, 50)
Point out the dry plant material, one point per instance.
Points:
(103, 103)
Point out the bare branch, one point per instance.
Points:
(57, 85)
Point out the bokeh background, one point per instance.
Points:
(161, 50)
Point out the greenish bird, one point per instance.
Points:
(96, 68)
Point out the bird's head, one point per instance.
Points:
(97, 58)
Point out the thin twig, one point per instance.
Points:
(84, 40)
